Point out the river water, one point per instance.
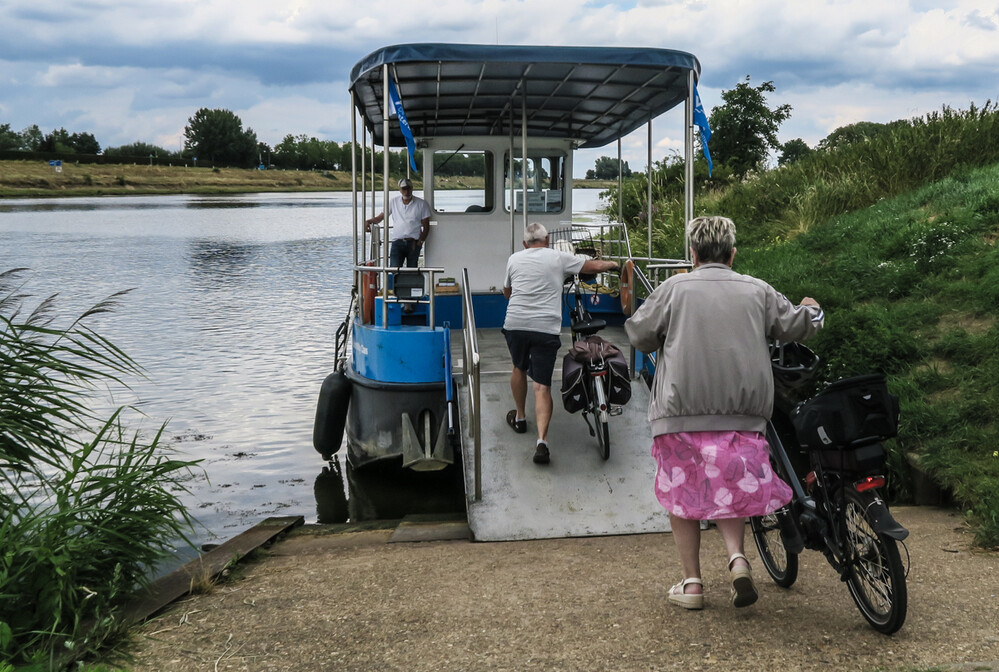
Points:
(233, 306)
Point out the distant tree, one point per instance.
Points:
(137, 149)
(793, 150)
(744, 128)
(218, 135)
(264, 152)
(851, 134)
(58, 141)
(32, 138)
(309, 153)
(605, 168)
(9, 139)
(85, 143)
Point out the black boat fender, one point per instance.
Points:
(331, 414)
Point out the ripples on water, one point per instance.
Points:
(233, 308)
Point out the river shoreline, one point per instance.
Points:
(37, 179)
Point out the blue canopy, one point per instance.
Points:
(592, 94)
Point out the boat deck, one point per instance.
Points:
(578, 494)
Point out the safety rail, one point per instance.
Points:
(470, 371)
(427, 290)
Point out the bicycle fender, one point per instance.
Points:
(884, 523)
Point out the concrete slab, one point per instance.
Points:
(578, 494)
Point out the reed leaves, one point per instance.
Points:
(87, 506)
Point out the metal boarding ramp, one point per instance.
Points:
(578, 494)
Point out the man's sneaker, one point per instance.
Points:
(541, 455)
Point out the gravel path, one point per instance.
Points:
(354, 602)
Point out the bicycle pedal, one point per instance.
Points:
(616, 410)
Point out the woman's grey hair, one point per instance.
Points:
(712, 238)
(535, 233)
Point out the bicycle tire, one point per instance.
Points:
(876, 579)
(603, 436)
(780, 565)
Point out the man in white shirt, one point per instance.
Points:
(533, 288)
(410, 225)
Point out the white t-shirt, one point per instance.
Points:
(535, 276)
(405, 219)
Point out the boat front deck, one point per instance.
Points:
(578, 494)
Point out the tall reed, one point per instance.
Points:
(87, 507)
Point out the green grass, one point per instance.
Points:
(896, 238)
(911, 286)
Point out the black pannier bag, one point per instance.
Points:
(573, 388)
(850, 412)
(574, 365)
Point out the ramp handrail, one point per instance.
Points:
(470, 371)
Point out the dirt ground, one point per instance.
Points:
(355, 602)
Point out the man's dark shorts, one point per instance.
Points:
(534, 352)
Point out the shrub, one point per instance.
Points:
(87, 508)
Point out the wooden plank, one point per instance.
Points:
(178, 583)
(431, 528)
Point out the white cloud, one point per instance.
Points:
(131, 70)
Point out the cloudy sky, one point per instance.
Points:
(136, 70)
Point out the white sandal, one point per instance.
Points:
(743, 589)
(678, 597)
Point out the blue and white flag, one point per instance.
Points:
(403, 124)
(702, 125)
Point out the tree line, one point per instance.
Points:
(743, 140)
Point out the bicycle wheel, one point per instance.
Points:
(603, 436)
(780, 565)
(876, 579)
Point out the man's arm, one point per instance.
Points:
(424, 229)
(507, 292)
(375, 220)
(598, 266)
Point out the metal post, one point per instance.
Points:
(353, 176)
(649, 180)
(385, 190)
(513, 190)
(620, 187)
(523, 148)
(688, 157)
(364, 172)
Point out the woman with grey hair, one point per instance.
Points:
(712, 394)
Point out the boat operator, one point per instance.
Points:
(533, 288)
(410, 225)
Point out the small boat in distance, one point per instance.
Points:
(422, 372)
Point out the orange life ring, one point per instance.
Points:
(369, 287)
(628, 287)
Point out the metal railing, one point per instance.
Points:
(428, 295)
(470, 372)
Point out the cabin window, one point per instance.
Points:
(544, 178)
(463, 181)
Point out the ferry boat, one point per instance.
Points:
(422, 371)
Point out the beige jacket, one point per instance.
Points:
(710, 330)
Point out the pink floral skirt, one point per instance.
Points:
(709, 475)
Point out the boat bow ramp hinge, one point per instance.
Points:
(416, 454)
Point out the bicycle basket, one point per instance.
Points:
(850, 412)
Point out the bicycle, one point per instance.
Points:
(594, 372)
(836, 508)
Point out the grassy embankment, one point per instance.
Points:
(34, 179)
(896, 238)
(38, 179)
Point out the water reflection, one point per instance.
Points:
(218, 262)
(386, 492)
